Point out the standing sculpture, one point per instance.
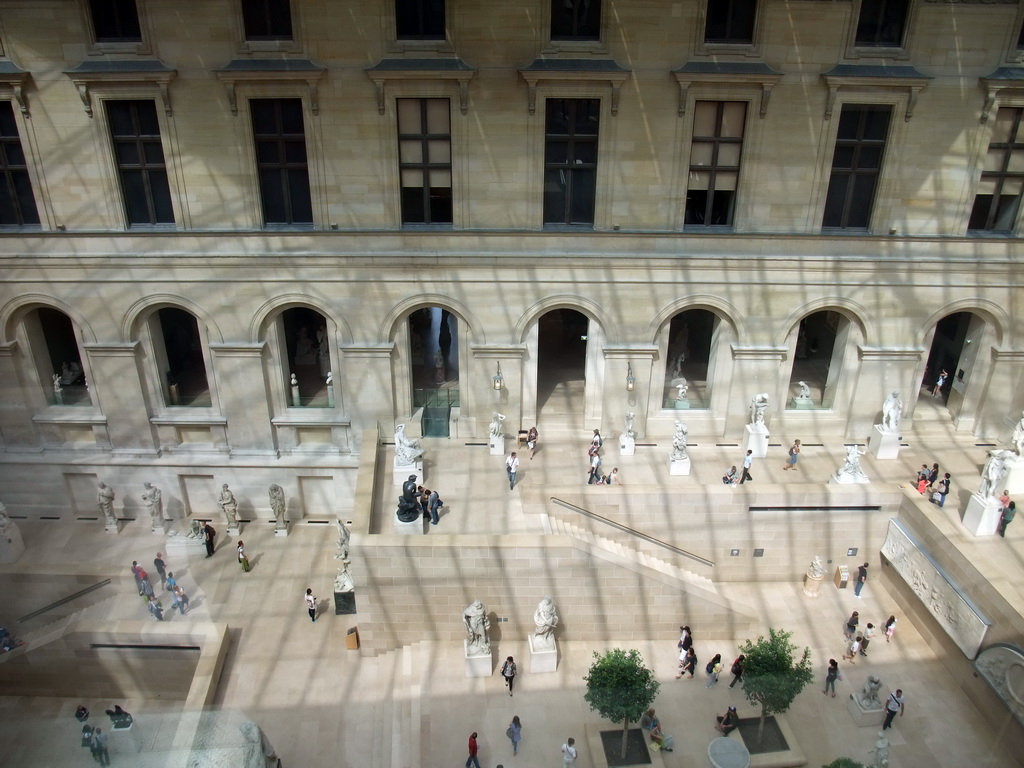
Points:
(851, 466)
(407, 450)
(1018, 436)
(816, 570)
(151, 498)
(228, 505)
(496, 428)
(630, 416)
(758, 406)
(679, 442)
(409, 509)
(993, 473)
(892, 412)
(344, 537)
(105, 500)
(868, 696)
(277, 504)
(477, 623)
(545, 618)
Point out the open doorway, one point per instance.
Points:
(434, 367)
(818, 360)
(308, 352)
(951, 360)
(562, 367)
(58, 359)
(178, 346)
(688, 368)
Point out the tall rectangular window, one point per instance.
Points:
(575, 19)
(115, 21)
(17, 205)
(714, 162)
(267, 19)
(1002, 177)
(281, 160)
(856, 165)
(425, 160)
(139, 154)
(730, 21)
(419, 19)
(570, 160)
(881, 23)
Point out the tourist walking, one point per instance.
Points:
(747, 461)
(161, 568)
(531, 441)
(713, 669)
(209, 534)
(242, 559)
(511, 469)
(155, 609)
(895, 703)
(862, 576)
(851, 625)
(687, 663)
(869, 632)
(942, 490)
(473, 759)
(147, 586)
(595, 468)
(180, 600)
(1008, 514)
(737, 670)
(508, 671)
(311, 605)
(171, 582)
(596, 442)
(569, 753)
(99, 747)
(853, 649)
(831, 676)
(889, 628)
(515, 734)
(794, 455)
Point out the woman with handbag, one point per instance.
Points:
(515, 733)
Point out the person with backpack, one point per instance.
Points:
(713, 669)
(794, 455)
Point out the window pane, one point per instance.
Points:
(441, 205)
(272, 194)
(413, 206)
(410, 151)
(268, 152)
(440, 178)
(13, 154)
(728, 154)
(554, 197)
(425, 162)
(979, 213)
(1015, 163)
(154, 153)
(575, 19)
(301, 202)
(1006, 212)
(859, 209)
(876, 122)
(835, 199)
(699, 180)
(870, 157)
(730, 21)
(412, 177)
(584, 152)
(696, 205)
(438, 116)
(721, 208)
(701, 153)
(993, 160)
(409, 115)
(267, 19)
(584, 188)
(734, 114)
(115, 21)
(291, 116)
(26, 201)
(881, 22)
(133, 187)
(263, 119)
(725, 181)
(705, 118)
(419, 19)
(439, 151)
(281, 157)
(556, 151)
(163, 211)
(570, 146)
(295, 152)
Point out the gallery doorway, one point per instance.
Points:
(434, 367)
(952, 360)
(562, 340)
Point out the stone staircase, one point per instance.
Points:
(398, 719)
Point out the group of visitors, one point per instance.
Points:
(430, 503)
(713, 669)
(179, 600)
(514, 733)
(594, 474)
(1007, 511)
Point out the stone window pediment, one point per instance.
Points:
(12, 82)
(420, 70)
(601, 71)
(859, 78)
(131, 74)
(302, 72)
(730, 73)
(1002, 82)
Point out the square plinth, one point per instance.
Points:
(542, 658)
(477, 665)
(281, 531)
(414, 528)
(757, 440)
(864, 717)
(679, 466)
(496, 445)
(982, 515)
(882, 444)
(627, 446)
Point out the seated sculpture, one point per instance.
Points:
(407, 450)
(409, 508)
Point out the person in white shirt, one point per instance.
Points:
(511, 468)
(569, 753)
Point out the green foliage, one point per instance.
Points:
(620, 688)
(844, 762)
(771, 676)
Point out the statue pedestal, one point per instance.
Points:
(159, 529)
(477, 665)
(882, 444)
(402, 471)
(543, 658)
(982, 515)
(681, 405)
(627, 446)
(179, 544)
(869, 716)
(802, 404)
(1014, 480)
(113, 527)
(846, 479)
(11, 545)
(679, 466)
(496, 445)
(233, 529)
(812, 584)
(757, 440)
(282, 531)
(344, 595)
(414, 528)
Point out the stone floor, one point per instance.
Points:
(323, 705)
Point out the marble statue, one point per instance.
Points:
(545, 618)
(330, 378)
(407, 450)
(816, 570)
(679, 442)
(677, 365)
(851, 466)
(259, 752)
(344, 537)
(993, 473)
(409, 509)
(295, 381)
(228, 505)
(630, 416)
(892, 411)
(758, 405)
(881, 751)
(496, 429)
(58, 392)
(1018, 436)
(805, 391)
(868, 696)
(477, 623)
(323, 350)
(151, 498)
(105, 500)
(682, 387)
(277, 504)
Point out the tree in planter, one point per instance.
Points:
(844, 762)
(620, 688)
(771, 676)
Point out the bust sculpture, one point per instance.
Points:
(892, 411)
(151, 498)
(758, 406)
(993, 473)
(851, 466)
(545, 618)
(816, 570)
(228, 505)
(477, 623)
(496, 429)
(407, 450)
(277, 504)
(679, 442)
(868, 696)
(105, 500)
(408, 504)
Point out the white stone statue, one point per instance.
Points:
(881, 752)
(58, 392)
(994, 472)
(277, 504)
(679, 442)
(630, 416)
(816, 570)
(477, 623)
(259, 752)
(545, 618)
(805, 391)
(407, 450)
(682, 387)
(496, 428)
(344, 537)
(151, 497)
(330, 378)
(1018, 436)
(892, 412)
(228, 505)
(105, 500)
(677, 365)
(295, 381)
(758, 405)
(868, 696)
(851, 466)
